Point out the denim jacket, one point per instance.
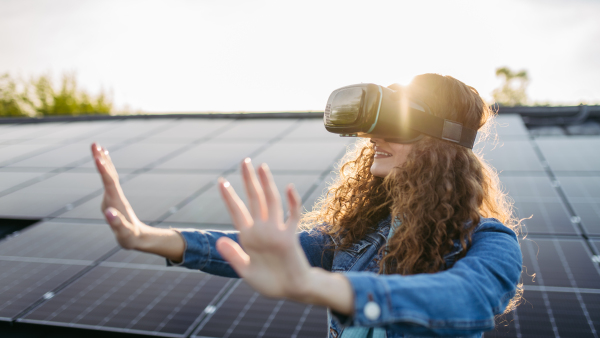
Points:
(459, 301)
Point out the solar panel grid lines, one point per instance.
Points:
(56, 240)
(53, 147)
(244, 313)
(148, 301)
(72, 165)
(571, 281)
(575, 218)
(535, 197)
(229, 170)
(139, 171)
(566, 249)
(583, 193)
(24, 284)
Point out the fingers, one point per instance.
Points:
(122, 228)
(256, 196)
(294, 206)
(234, 254)
(237, 210)
(107, 171)
(272, 197)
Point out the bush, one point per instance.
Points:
(39, 97)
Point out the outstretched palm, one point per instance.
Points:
(272, 260)
(127, 232)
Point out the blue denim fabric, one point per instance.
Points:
(459, 301)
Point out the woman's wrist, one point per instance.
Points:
(324, 288)
(163, 242)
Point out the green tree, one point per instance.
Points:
(512, 91)
(11, 103)
(39, 97)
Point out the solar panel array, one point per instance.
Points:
(67, 271)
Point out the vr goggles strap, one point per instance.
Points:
(442, 129)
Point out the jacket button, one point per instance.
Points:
(372, 310)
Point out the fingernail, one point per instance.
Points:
(98, 147)
(105, 152)
(247, 160)
(110, 214)
(224, 182)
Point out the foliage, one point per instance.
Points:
(40, 97)
(512, 92)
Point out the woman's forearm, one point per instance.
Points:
(163, 242)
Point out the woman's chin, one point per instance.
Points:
(379, 171)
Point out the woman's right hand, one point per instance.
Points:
(129, 231)
(115, 207)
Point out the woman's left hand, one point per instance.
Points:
(272, 260)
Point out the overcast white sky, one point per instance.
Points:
(192, 56)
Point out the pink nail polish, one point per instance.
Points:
(110, 214)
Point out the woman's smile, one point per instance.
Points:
(381, 154)
(395, 155)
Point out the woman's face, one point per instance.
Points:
(388, 156)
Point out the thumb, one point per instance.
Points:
(234, 254)
(116, 220)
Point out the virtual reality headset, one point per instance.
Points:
(370, 110)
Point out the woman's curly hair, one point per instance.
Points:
(439, 194)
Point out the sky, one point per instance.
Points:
(244, 55)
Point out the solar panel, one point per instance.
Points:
(245, 313)
(511, 155)
(18, 133)
(42, 199)
(60, 241)
(212, 155)
(306, 156)
(510, 127)
(185, 130)
(559, 263)
(132, 258)
(209, 207)
(151, 195)
(584, 195)
(58, 157)
(257, 129)
(535, 197)
(161, 301)
(138, 155)
(574, 154)
(62, 273)
(320, 190)
(13, 153)
(12, 179)
(22, 283)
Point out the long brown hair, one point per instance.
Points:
(439, 194)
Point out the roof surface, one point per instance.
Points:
(67, 270)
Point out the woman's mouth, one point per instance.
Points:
(382, 154)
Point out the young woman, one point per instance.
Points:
(409, 241)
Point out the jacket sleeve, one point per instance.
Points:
(200, 251)
(459, 301)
